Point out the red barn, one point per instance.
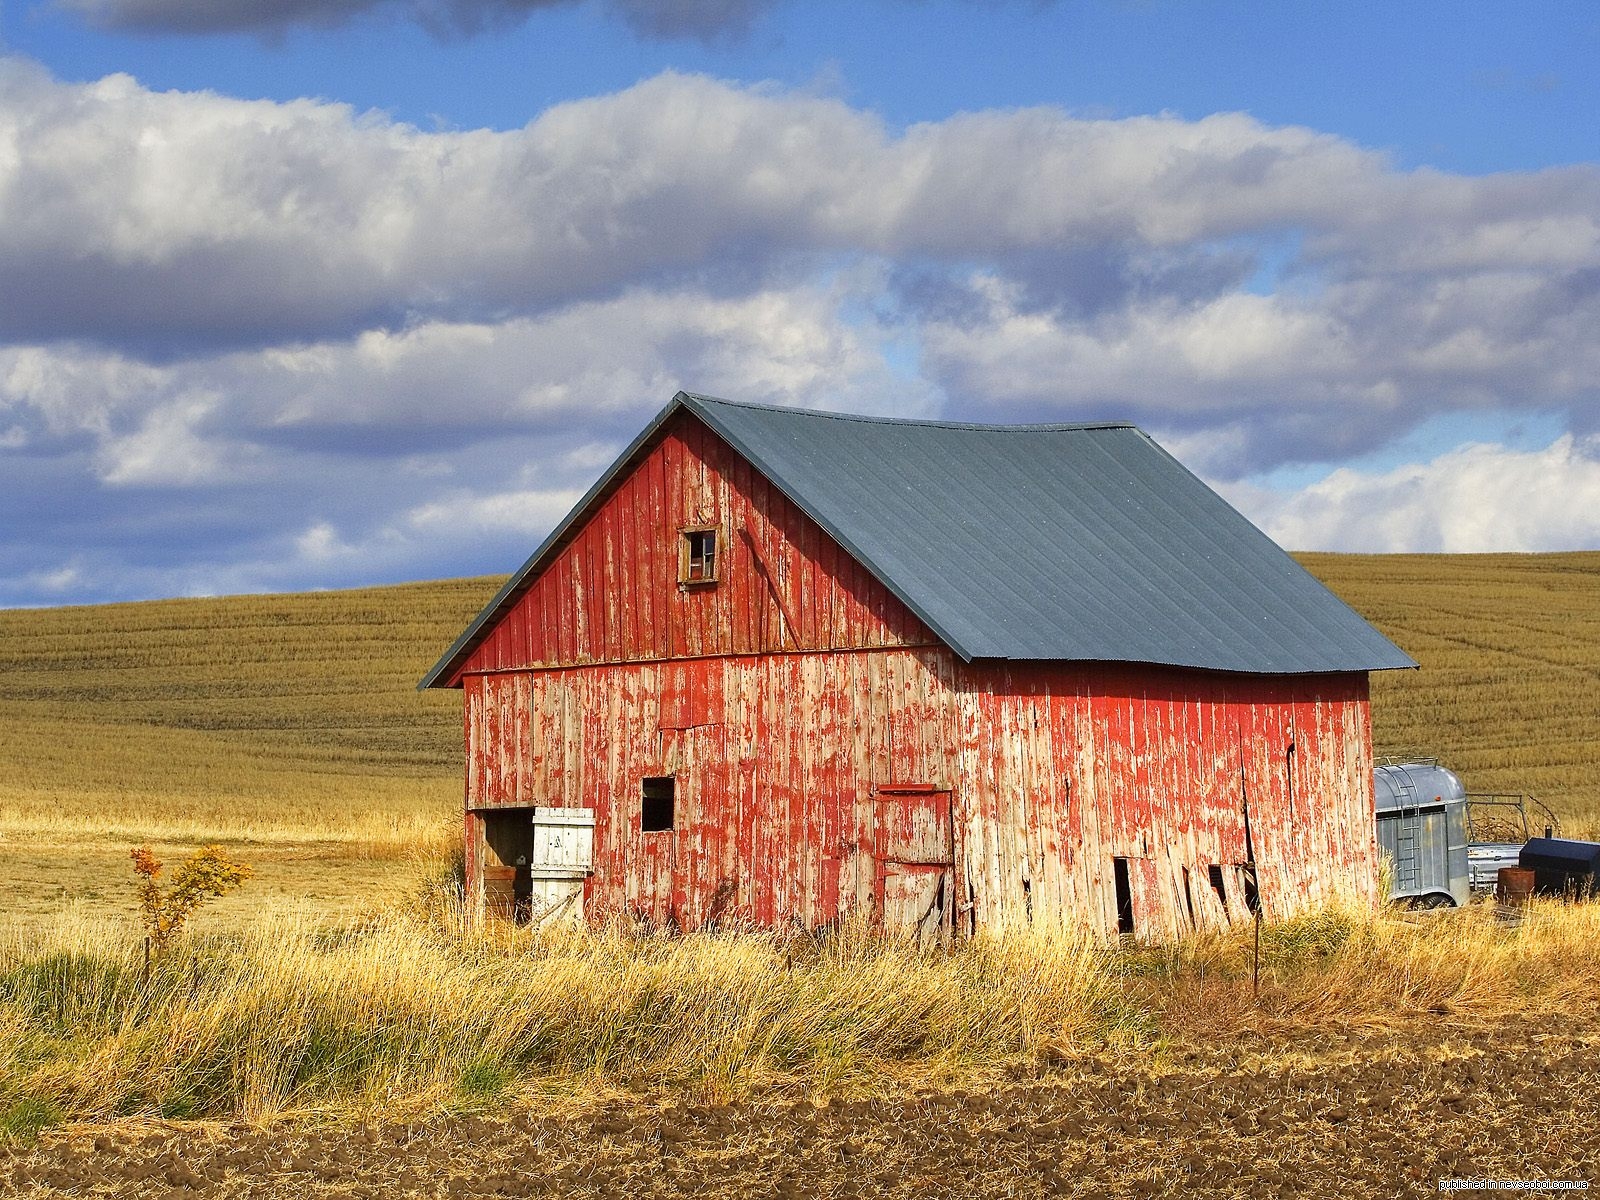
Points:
(780, 665)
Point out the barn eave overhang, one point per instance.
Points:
(1195, 667)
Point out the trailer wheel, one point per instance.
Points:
(1431, 900)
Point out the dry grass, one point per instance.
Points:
(398, 1013)
(407, 1014)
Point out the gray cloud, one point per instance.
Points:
(194, 216)
(215, 16)
(1278, 378)
(132, 215)
(704, 20)
(443, 448)
(443, 385)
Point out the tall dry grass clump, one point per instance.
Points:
(399, 1013)
(1343, 967)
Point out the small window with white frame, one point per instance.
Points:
(698, 555)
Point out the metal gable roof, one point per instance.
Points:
(1039, 542)
(1080, 542)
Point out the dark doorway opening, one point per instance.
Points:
(1119, 874)
(507, 852)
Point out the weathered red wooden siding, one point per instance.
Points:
(777, 759)
(818, 733)
(1053, 770)
(612, 594)
(1066, 767)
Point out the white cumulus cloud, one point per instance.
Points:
(1476, 498)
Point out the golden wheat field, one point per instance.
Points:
(334, 1028)
(285, 727)
(288, 728)
(1508, 693)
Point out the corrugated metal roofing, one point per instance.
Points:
(1035, 542)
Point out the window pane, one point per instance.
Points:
(699, 555)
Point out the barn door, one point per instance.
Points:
(915, 851)
(562, 859)
(534, 861)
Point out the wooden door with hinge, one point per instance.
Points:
(914, 847)
(561, 862)
(533, 862)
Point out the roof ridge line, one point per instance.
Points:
(924, 422)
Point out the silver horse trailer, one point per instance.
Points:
(1422, 829)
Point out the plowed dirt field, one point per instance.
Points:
(1386, 1113)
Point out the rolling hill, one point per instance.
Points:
(288, 727)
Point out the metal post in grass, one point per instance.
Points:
(1255, 961)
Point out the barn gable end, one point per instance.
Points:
(612, 591)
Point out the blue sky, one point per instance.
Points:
(316, 293)
(1468, 87)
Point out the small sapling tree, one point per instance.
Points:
(205, 875)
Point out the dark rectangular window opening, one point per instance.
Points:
(699, 562)
(1119, 873)
(657, 800)
(1214, 873)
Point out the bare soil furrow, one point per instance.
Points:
(1379, 1114)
